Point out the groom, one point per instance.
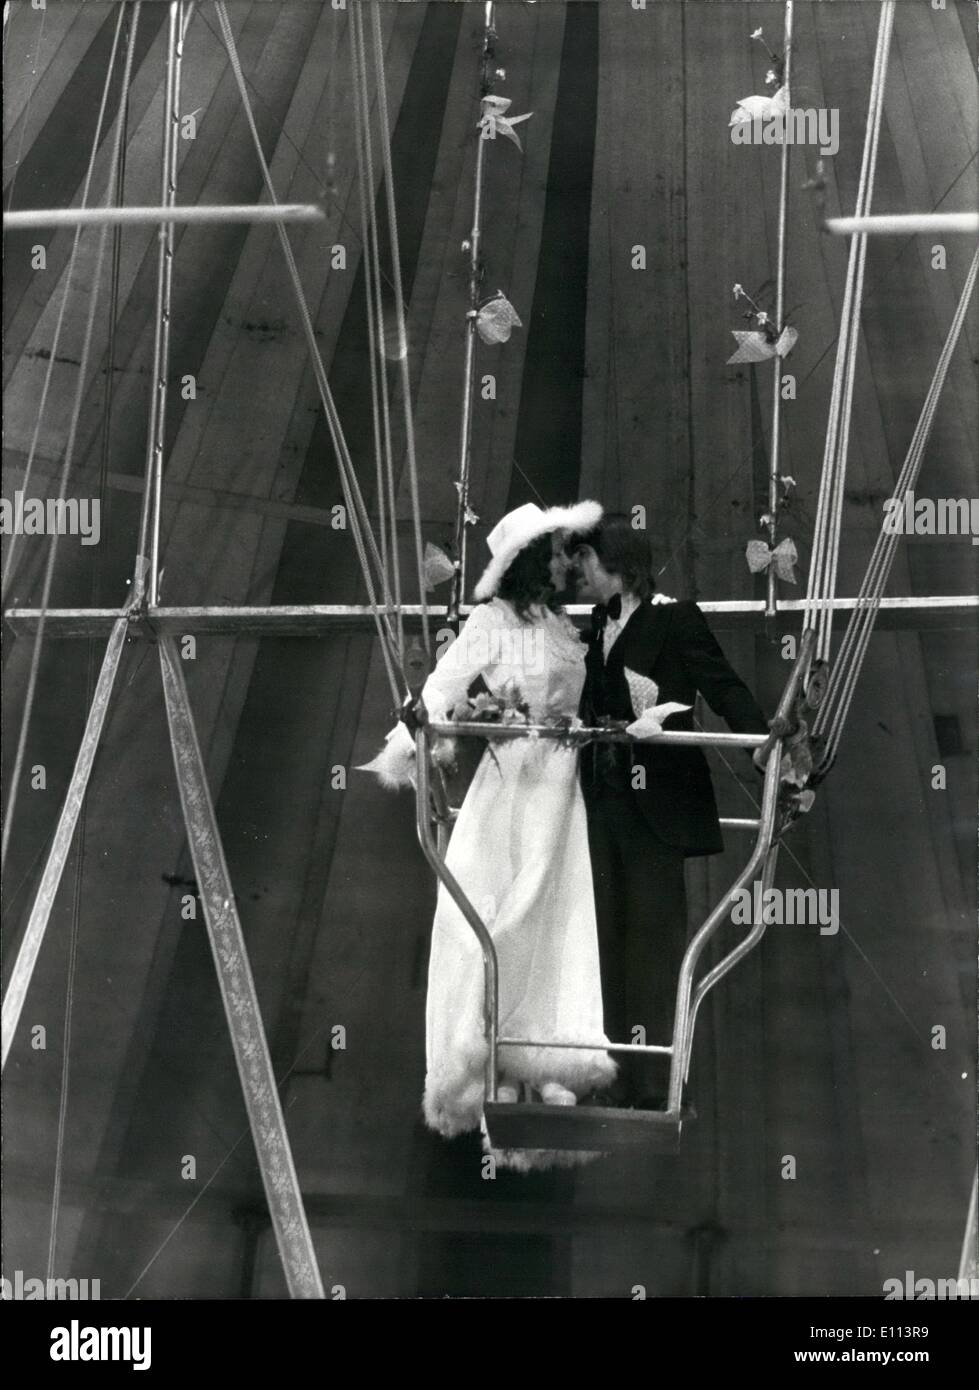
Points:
(649, 806)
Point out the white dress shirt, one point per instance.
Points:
(614, 627)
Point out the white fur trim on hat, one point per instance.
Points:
(518, 528)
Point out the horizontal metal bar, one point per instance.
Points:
(725, 822)
(679, 737)
(64, 622)
(903, 223)
(655, 1048)
(313, 619)
(215, 214)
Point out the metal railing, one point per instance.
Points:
(431, 803)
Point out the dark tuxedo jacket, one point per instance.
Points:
(672, 644)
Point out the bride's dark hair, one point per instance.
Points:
(527, 580)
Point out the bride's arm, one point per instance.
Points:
(468, 657)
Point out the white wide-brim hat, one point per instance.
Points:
(525, 524)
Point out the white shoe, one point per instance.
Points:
(553, 1094)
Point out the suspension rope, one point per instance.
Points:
(110, 358)
(885, 29)
(375, 259)
(384, 453)
(783, 201)
(148, 544)
(749, 793)
(323, 191)
(833, 711)
(25, 119)
(826, 535)
(469, 361)
(399, 308)
(363, 535)
(69, 274)
(76, 903)
(69, 454)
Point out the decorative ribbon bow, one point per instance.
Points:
(759, 556)
(494, 121)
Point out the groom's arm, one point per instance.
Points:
(713, 675)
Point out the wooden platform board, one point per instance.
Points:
(584, 1128)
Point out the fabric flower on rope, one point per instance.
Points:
(494, 120)
(470, 518)
(783, 558)
(763, 108)
(497, 319)
(765, 341)
(436, 567)
(777, 70)
(644, 694)
(755, 346)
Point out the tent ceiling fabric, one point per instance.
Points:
(616, 386)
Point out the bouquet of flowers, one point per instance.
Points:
(508, 707)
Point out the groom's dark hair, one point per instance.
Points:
(622, 549)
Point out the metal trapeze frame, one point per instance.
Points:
(431, 805)
(238, 993)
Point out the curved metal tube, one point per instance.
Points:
(684, 1016)
(731, 959)
(434, 856)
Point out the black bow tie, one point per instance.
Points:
(612, 609)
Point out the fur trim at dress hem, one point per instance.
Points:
(537, 1160)
(454, 1106)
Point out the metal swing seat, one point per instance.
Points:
(525, 1125)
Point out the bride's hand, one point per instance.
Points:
(413, 714)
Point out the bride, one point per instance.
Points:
(519, 848)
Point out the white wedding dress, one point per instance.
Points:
(519, 850)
